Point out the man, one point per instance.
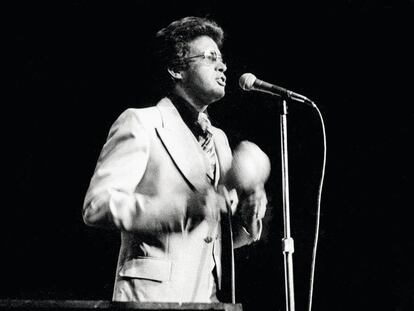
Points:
(160, 180)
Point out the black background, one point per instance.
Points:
(76, 65)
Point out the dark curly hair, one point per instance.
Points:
(171, 43)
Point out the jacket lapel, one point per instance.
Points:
(223, 152)
(181, 145)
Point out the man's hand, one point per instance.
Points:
(206, 205)
(252, 208)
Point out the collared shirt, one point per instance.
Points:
(188, 113)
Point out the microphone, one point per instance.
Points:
(249, 82)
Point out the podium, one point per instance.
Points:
(89, 305)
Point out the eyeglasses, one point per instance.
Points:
(210, 55)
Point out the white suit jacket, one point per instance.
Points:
(149, 167)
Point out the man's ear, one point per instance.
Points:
(176, 75)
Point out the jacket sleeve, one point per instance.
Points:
(111, 200)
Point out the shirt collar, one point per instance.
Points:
(187, 112)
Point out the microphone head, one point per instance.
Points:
(246, 81)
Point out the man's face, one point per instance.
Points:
(204, 80)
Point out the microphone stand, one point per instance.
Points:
(287, 241)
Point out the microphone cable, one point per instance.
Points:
(318, 213)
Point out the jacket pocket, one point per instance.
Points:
(147, 268)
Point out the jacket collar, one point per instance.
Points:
(182, 146)
(184, 149)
